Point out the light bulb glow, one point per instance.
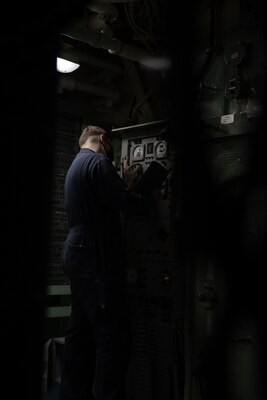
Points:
(66, 66)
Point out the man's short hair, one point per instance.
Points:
(90, 130)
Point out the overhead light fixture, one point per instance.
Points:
(66, 66)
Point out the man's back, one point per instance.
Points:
(94, 198)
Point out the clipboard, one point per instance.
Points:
(151, 179)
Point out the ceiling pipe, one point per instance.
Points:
(69, 83)
(90, 59)
(115, 46)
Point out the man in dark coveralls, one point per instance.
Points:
(97, 339)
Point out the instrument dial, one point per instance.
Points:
(161, 149)
(139, 152)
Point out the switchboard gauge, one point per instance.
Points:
(138, 152)
(161, 149)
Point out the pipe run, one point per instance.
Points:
(80, 57)
(115, 46)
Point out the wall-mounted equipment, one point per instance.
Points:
(154, 277)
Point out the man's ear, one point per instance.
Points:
(103, 139)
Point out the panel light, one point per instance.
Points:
(66, 66)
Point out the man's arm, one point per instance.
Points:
(130, 173)
(112, 190)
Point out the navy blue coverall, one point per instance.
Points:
(97, 339)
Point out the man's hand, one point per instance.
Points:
(131, 172)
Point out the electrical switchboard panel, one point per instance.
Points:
(154, 278)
